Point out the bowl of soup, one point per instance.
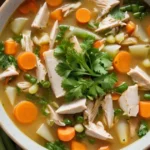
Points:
(75, 74)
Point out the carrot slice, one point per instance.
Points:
(25, 112)
(33, 6)
(104, 148)
(115, 96)
(122, 62)
(77, 146)
(11, 47)
(57, 15)
(144, 109)
(54, 3)
(27, 61)
(83, 15)
(66, 134)
(130, 27)
(98, 44)
(43, 49)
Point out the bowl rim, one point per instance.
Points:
(7, 124)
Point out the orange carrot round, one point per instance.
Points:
(130, 27)
(66, 134)
(98, 44)
(144, 109)
(57, 15)
(54, 3)
(83, 15)
(27, 61)
(115, 96)
(25, 112)
(77, 146)
(11, 47)
(122, 62)
(43, 49)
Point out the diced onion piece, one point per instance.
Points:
(11, 93)
(18, 24)
(146, 63)
(36, 40)
(110, 39)
(139, 50)
(120, 37)
(112, 50)
(45, 39)
(44, 132)
(33, 89)
(79, 128)
(122, 128)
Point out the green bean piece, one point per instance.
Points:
(137, 15)
(141, 8)
(128, 8)
(123, 9)
(121, 88)
(147, 96)
(135, 8)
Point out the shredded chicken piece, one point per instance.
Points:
(141, 78)
(129, 101)
(76, 43)
(109, 22)
(58, 119)
(40, 70)
(24, 86)
(73, 107)
(26, 42)
(42, 17)
(105, 6)
(53, 34)
(10, 71)
(107, 106)
(97, 131)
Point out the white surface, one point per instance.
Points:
(10, 128)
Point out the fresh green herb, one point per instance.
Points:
(147, 96)
(121, 88)
(17, 38)
(93, 25)
(6, 60)
(85, 74)
(37, 51)
(18, 90)
(91, 141)
(116, 13)
(118, 112)
(80, 119)
(67, 121)
(62, 30)
(45, 84)
(80, 136)
(57, 145)
(143, 129)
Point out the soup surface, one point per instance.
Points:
(78, 71)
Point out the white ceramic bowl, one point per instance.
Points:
(9, 127)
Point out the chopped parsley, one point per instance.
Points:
(117, 14)
(143, 129)
(37, 51)
(18, 38)
(118, 112)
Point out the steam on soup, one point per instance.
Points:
(75, 74)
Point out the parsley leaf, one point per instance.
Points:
(117, 14)
(37, 51)
(118, 112)
(57, 145)
(18, 38)
(143, 129)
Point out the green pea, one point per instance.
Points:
(80, 119)
(33, 80)
(135, 8)
(67, 121)
(46, 84)
(123, 9)
(147, 96)
(137, 15)
(27, 77)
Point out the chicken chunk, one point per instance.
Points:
(55, 79)
(107, 106)
(42, 17)
(10, 71)
(129, 101)
(109, 22)
(140, 77)
(97, 131)
(58, 119)
(53, 34)
(73, 107)
(40, 71)
(76, 43)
